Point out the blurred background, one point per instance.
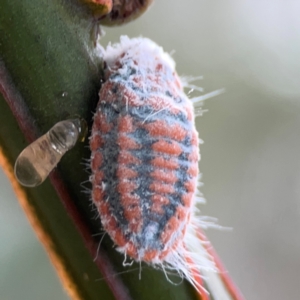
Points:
(250, 156)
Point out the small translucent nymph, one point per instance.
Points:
(37, 160)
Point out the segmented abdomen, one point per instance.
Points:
(144, 159)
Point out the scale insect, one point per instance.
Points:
(144, 161)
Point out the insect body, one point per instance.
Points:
(37, 160)
(145, 155)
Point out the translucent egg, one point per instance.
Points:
(37, 160)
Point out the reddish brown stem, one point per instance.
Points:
(223, 273)
(198, 279)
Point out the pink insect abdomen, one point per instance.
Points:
(144, 160)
